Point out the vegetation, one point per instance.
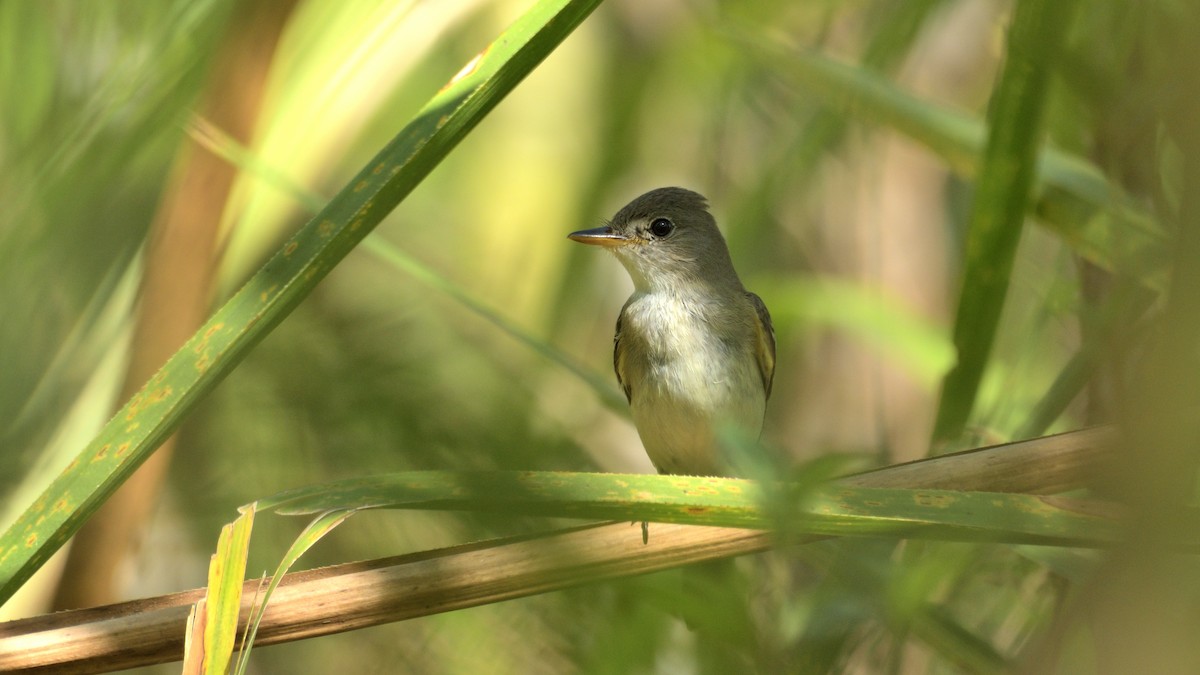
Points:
(973, 222)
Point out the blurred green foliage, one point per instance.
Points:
(823, 207)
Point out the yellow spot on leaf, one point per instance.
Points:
(31, 540)
(290, 248)
(202, 345)
(360, 186)
(101, 453)
(122, 449)
(939, 501)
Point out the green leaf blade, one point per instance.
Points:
(1006, 178)
(829, 510)
(224, 597)
(268, 297)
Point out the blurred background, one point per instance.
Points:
(153, 154)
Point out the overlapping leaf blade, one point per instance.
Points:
(155, 411)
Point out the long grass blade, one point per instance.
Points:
(605, 388)
(726, 502)
(155, 411)
(998, 212)
(316, 530)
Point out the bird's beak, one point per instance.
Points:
(599, 236)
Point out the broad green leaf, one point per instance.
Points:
(155, 411)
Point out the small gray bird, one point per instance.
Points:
(694, 349)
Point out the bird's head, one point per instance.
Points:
(666, 238)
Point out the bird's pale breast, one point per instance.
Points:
(685, 381)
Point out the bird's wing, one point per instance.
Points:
(765, 349)
(619, 359)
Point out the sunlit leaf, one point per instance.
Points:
(728, 502)
(155, 411)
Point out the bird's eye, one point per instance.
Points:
(661, 227)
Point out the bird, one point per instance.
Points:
(694, 351)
